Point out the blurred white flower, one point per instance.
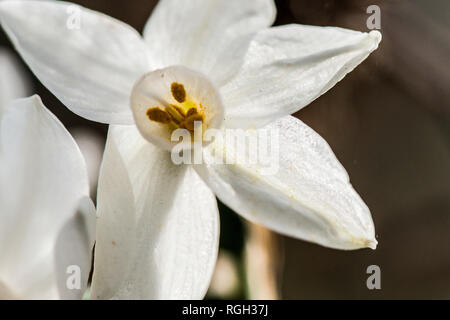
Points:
(47, 220)
(158, 223)
(91, 145)
(225, 279)
(13, 83)
(263, 259)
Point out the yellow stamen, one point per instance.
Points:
(178, 92)
(176, 116)
(158, 115)
(174, 113)
(188, 123)
(191, 112)
(179, 109)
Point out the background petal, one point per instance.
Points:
(43, 182)
(302, 191)
(88, 60)
(287, 67)
(74, 248)
(13, 83)
(205, 35)
(158, 226)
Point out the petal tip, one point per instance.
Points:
(376, 36)
(371, 243)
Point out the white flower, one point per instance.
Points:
(47, 220)
(158, 223)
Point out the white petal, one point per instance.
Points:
(199, 33)
(91, 69)
(288, 67)
(13, 83)
(73, 249)
(158, 227)
(301, 191)
(43, 182)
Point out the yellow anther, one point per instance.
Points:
(191, 112)
(189, 122)
(178, 92)
(158, 115)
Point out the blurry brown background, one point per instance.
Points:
(389, 124)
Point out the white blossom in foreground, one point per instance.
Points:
(218, 62)
(47, 220)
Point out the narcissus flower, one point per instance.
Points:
(218, 63)
(47, 220)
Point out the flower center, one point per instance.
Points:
(181, 115)
(174, 98)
